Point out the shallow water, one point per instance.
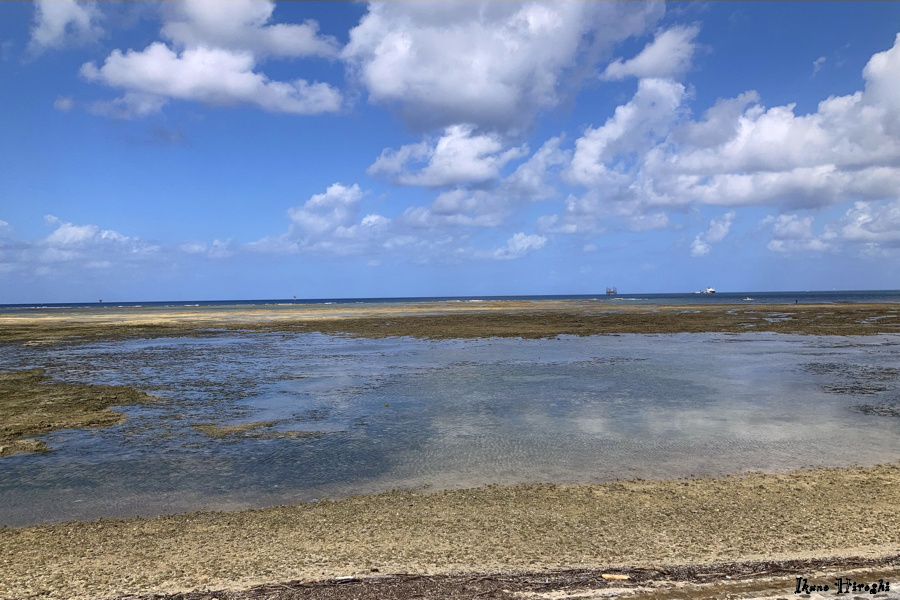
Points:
(360, 415)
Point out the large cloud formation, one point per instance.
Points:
(213, 58)
(650, 158)
(473, 76)
(330, 223)
(751, 155)
(490, 64)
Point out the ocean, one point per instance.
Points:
(802, 297)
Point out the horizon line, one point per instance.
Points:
(600, 294)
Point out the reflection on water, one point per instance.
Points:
(358, 416)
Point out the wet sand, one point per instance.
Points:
(493, 534)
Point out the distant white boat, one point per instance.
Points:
(748, 298)
(708, 290)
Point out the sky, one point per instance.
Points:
(246, 149)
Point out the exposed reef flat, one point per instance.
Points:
(437, 320)
(643, 529)
(31, 404)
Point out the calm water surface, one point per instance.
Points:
(359, 416)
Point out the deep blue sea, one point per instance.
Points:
(807, 297)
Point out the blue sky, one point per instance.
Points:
(247, 149)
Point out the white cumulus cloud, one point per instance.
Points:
(329, 223)
(327, 212)
(594, 212)
(242, 25)
(635, 127)
(650, 157)
(459, 156)
(492, 64)
(59, 23)
(67, 234)
(82, 245)
(669, 55)
(718, 229)
(530, 180)
(209, 75)
(849, 148)
(462, 207)
(214, 57)
(519, 245)
(872, 223)
(794, 233)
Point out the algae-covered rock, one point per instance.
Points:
(32, 405)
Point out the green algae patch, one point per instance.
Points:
(33, 405)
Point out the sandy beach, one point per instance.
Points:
(746, 535)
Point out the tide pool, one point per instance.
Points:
(332, 416)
